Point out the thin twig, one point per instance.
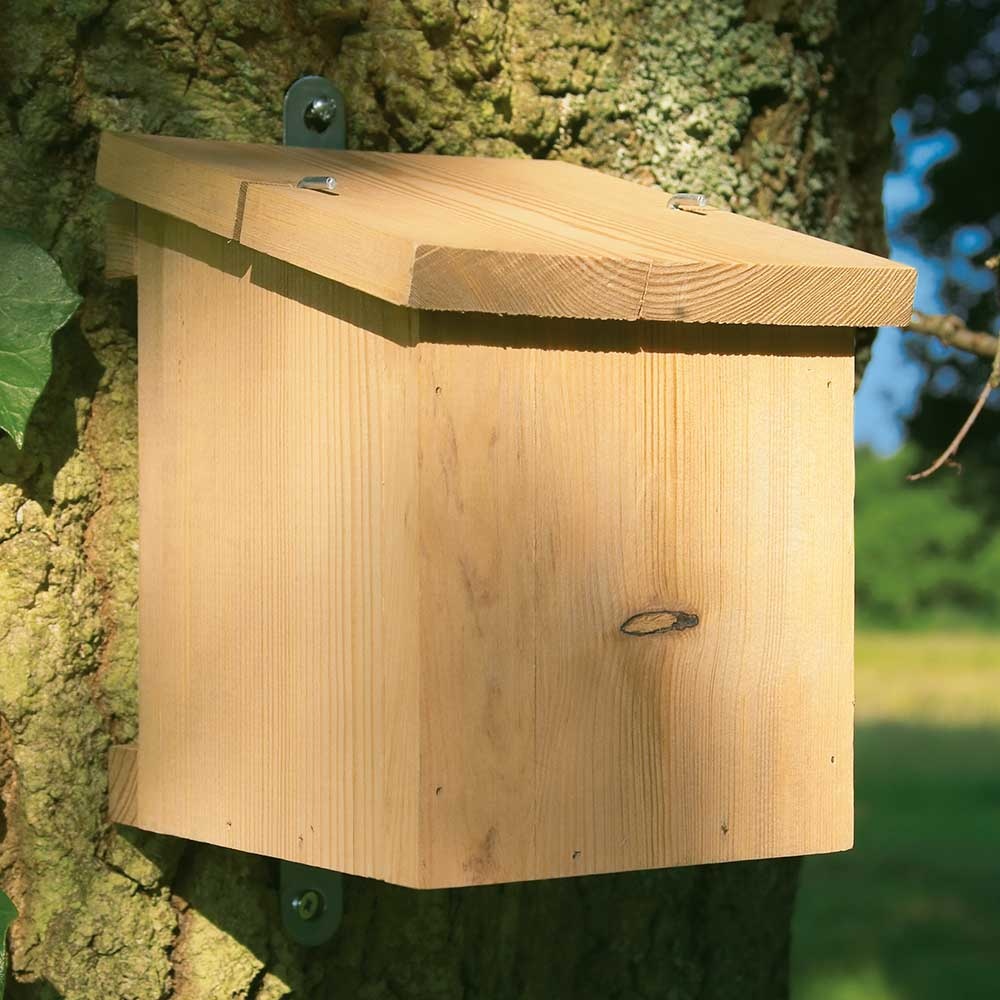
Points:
(949, 453)
(948, 323)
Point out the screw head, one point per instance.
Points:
(308, 905)
(319, 114)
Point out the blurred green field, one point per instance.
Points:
(913, 912)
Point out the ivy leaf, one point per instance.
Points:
(35, 301)
(8, 913)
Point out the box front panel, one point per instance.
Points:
(573, 477)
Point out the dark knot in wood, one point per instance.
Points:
(657, 622)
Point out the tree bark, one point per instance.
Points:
(779, 108)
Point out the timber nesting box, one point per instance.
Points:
(495, 517)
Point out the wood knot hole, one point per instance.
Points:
(657, 622)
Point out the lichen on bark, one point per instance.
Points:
(778, 108)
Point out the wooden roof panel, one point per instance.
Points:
(505, 235)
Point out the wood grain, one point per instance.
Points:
(505, 236)
(565, 490)
(278, 609)
(120, 239)
(123, 766)
(386, 557)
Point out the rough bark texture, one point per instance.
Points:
(778, 107)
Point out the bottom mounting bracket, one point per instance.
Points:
(312, 902)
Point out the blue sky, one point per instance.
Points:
(893, 380)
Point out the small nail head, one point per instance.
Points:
(325, 184)
(687, 201)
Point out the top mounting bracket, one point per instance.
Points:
(315, 115)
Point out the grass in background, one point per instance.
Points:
(913, 912)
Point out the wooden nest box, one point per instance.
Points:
(495, 517)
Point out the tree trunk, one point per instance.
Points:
(778, 107)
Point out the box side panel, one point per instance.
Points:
(119, 239)
(655, 468)
(122, 784)
(278, 617)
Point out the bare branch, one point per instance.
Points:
(952, 331)
(967, 337)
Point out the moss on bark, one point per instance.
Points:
(777, 107)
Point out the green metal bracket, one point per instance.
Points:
(312, 902)
(315, 114)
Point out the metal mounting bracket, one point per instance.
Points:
(312, 902)
(315, 114)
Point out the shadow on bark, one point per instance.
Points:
(700, 932)
(51, 436)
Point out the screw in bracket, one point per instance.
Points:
(308, 905)
(320, 113)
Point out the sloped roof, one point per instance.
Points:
(535, 237)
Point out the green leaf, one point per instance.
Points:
(8, 913)
(35, 301)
